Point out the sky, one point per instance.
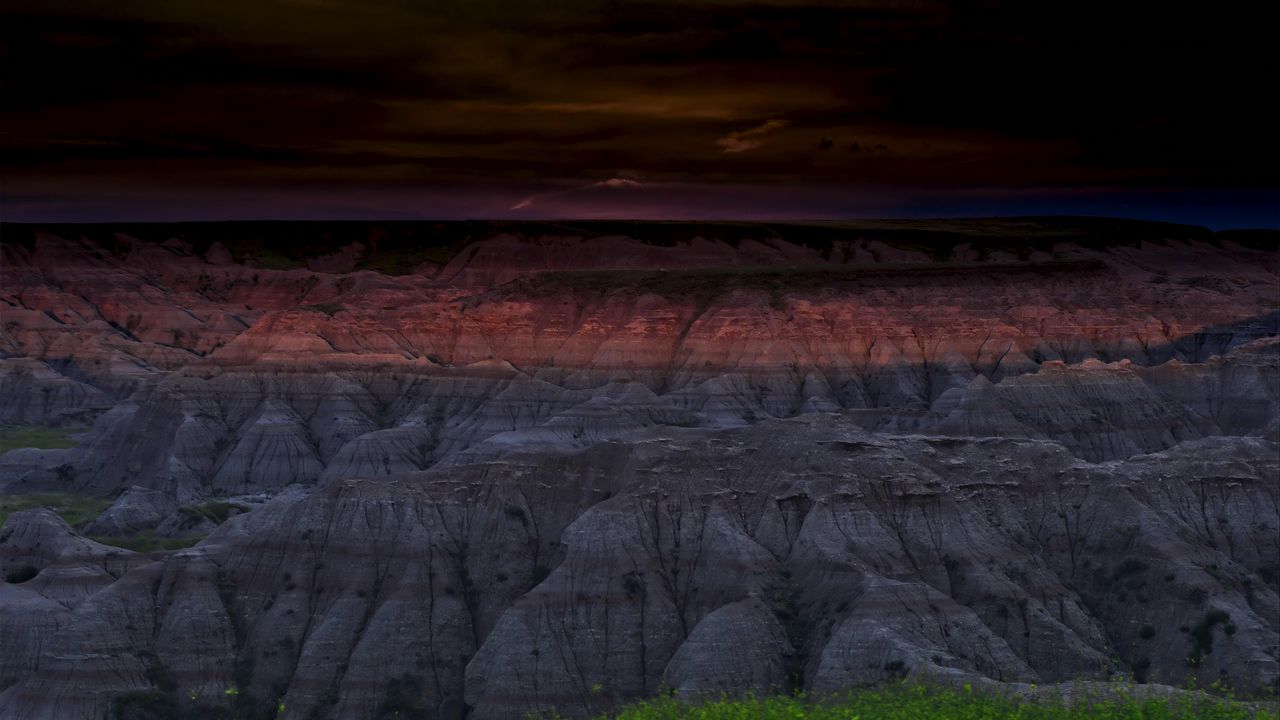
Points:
(724, 109)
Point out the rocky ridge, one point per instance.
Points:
(834, 556)
(500, 470)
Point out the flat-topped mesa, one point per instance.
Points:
(579, 301)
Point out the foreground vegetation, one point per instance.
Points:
(32, 436)
(145, 542)
(75, 509)
(918, 702)
(79, 510)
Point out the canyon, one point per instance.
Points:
(485, 469)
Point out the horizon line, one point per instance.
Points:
(639, 221)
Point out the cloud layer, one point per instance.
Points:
(749, 139)
(477, 107)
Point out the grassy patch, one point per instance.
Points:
(75, 509)
(31, 436)
(145, 542)
(216, 511)
(915, 702)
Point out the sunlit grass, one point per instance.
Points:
(78, 510)
(75, 509)
(146, 542)
(918, 702)
(31, 436)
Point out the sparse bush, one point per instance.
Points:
(895, 669)
(1140, 668)
(1202, 636)
(517, 513)
(149, 705)
(1130, 566)
(156, 705)
(216, 512)
(403, 700)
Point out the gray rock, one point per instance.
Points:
(581, 579)
(136, 509)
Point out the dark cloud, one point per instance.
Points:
(486, 103)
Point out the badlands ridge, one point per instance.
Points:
(487, 469)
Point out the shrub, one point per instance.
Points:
(403, 700)
(149, 705)
(895, 669)
(1140, 668)
(1202, 635)
(517, 513)
(215, 512)
(1130, 566)
(156, 705)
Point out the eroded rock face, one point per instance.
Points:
(543, 472)
(36, 394)
(43, 551)
(832, 556)
(137, 509)
(211, 377)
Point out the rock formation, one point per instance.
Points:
(495, 470)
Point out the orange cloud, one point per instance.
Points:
(749, 139)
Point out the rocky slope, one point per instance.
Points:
(829, 556)
(493, 469)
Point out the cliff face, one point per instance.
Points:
(552, 468)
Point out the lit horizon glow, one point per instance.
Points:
(1217, 210)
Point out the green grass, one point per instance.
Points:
(78, 510)
(215, 511)
(31, 436)
(145, 542)
(75, 509)
(917, 702)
